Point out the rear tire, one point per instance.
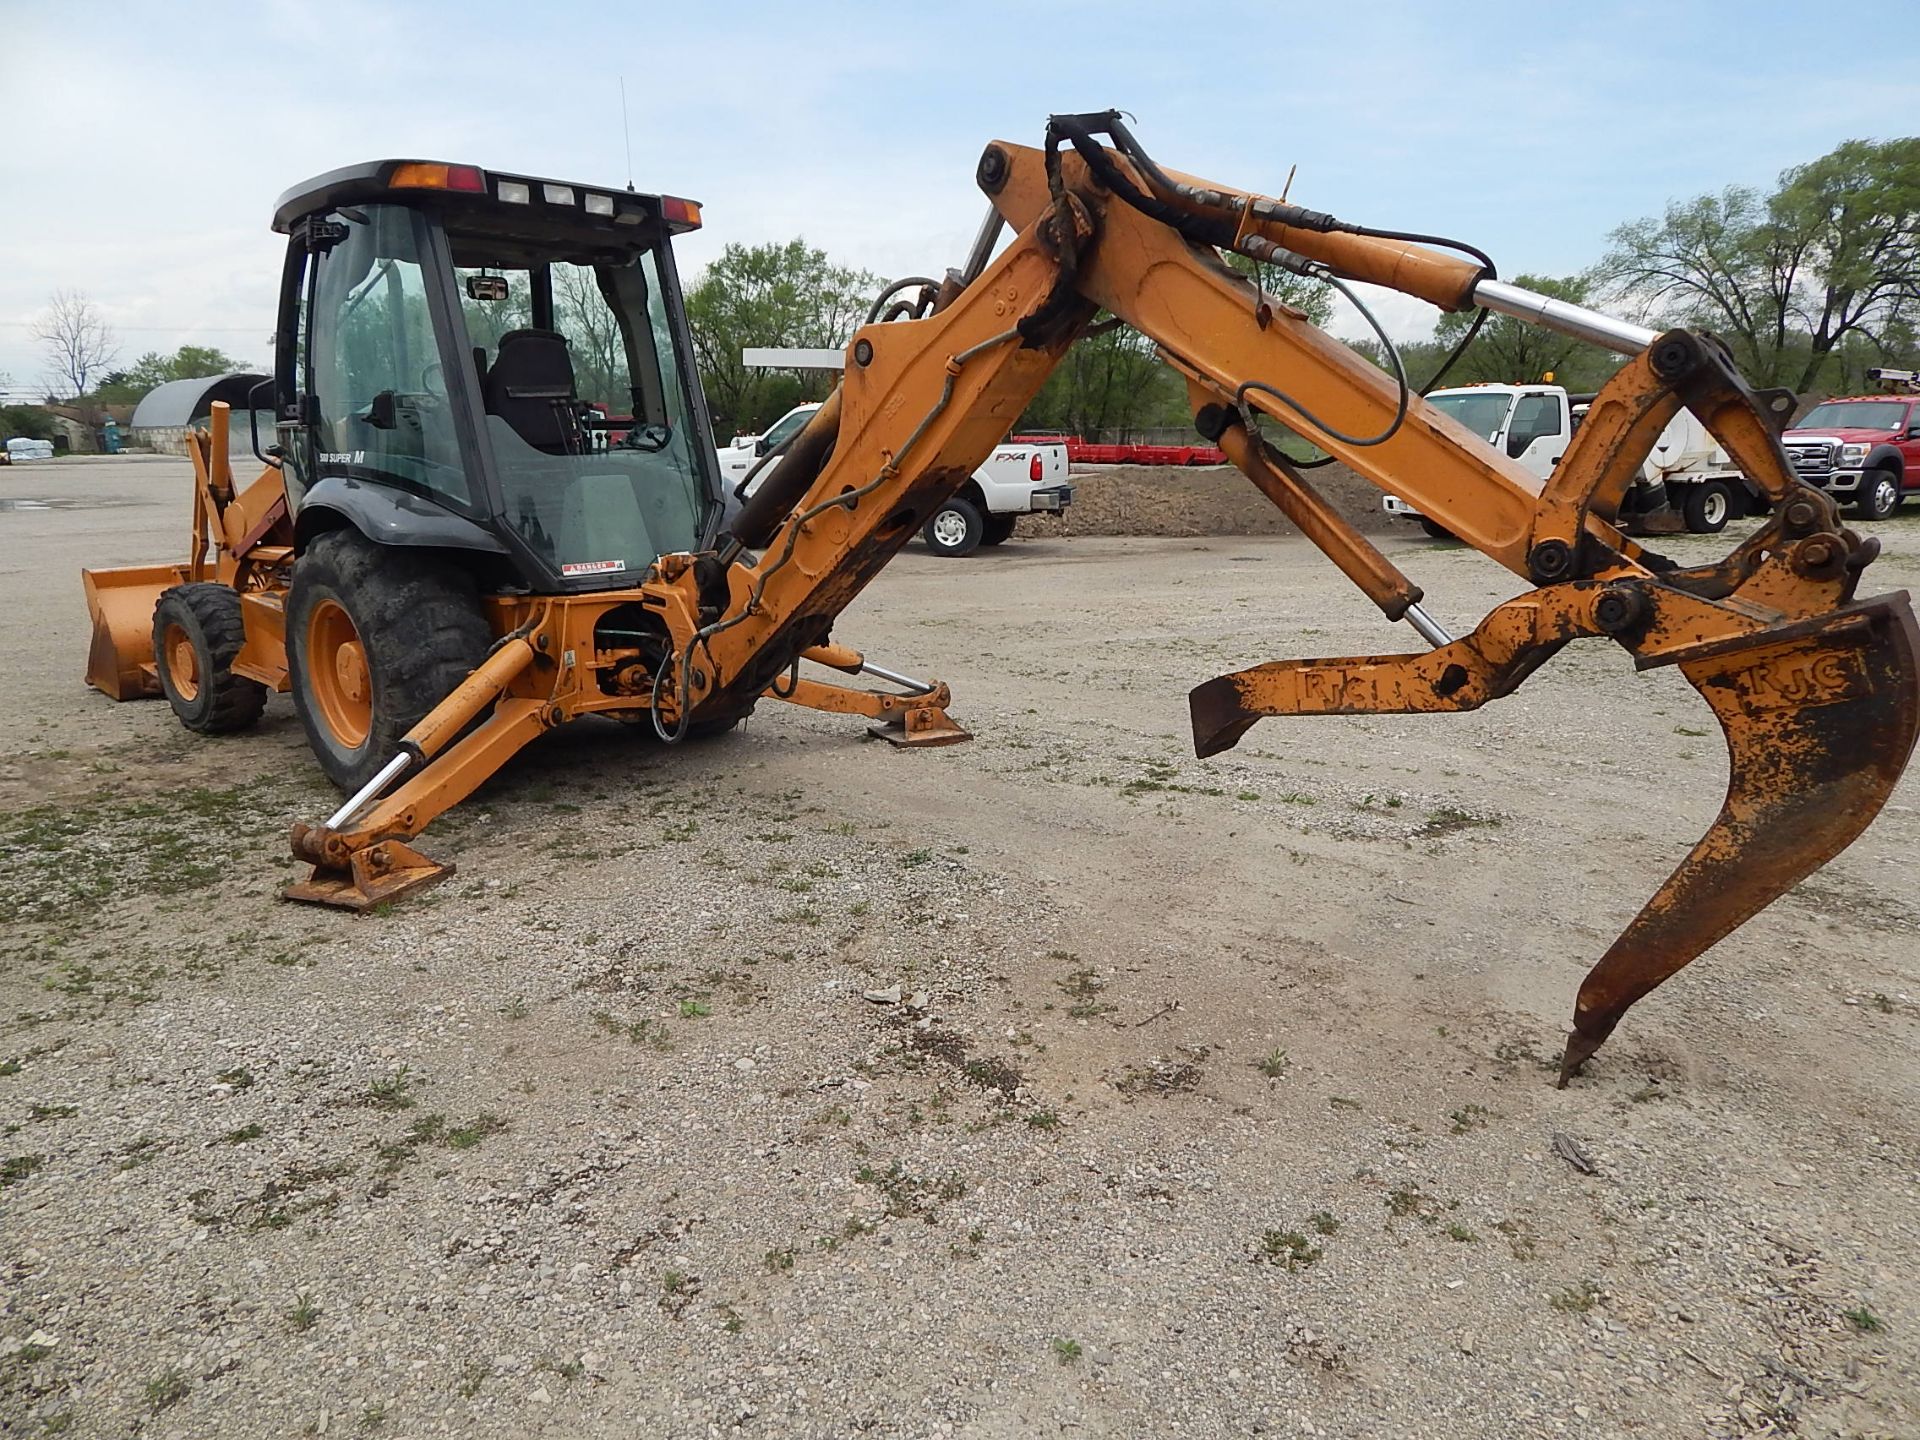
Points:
(198, 632)
(1879, 495)
(376, 637)
(998, 529)
(1708, 507)
(956, 528)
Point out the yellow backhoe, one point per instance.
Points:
(491, 507)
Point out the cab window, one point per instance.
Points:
(377, 372)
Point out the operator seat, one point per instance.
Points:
(530, 386)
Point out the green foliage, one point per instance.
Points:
(774, 294)
(1110, 386)
(1516, 353)
(189, 362)
(1832, 255)
(25, 422)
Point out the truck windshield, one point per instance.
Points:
(601, 467)
(1479, 411)
(1854, 415)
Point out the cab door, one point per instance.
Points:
(1537, 433)
(1909, 443)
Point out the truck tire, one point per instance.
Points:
(1708, 507)
(999, 529)
(376, 637)
(1435, 530)
(1879, 495)
(198, 631)
(955, 529)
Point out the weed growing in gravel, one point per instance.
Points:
(1405, 1201)
(1468, 1117)
(694, 1010)
(1324, 1222)
(1273, 1066)
(677, 1291)
(1341, 1102)
(731, 1320)
(303, 1314)
(392, 1092)
(1883, 1003)
(473, 1375)
(1577, 1299)
(1520, 1238)
(1447, 819)
(239, 1079)
(169, 1387)
(911, 1196)
(1288, 1248)
(374, 1416)
(1043, 1119)
(139, 1152)
(1457, 1231)
(465, 1137)
(515, 1009)
(37, 1113)
(1067, 1351)
(243, 1134)
(780, 1260)
(566, 1369)
(1863, 1320)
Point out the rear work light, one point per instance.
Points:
(1033, 468)
(557, 194)
(599, 204)
(513, 192)
(419, 175)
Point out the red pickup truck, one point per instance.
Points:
(1864, 449)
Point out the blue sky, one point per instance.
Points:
(141, 145)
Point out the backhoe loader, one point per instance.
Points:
(461, 541)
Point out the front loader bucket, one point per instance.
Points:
(120, 604)
(1820, 717)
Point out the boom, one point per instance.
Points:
(1818, 693)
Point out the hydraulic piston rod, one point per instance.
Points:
(1622, 337)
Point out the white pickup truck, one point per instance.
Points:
(1687, 480)
(1016, 480)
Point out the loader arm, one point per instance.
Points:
(1818, 693)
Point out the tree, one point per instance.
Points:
(189, 362)
(774, 294)
(78, 341)
(1787, 279)
(26, 421)
(1518, 353)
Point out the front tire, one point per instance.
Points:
(376, 637)
(956, 528)
(1435, 530)
(198, 632)
(1708, 507)
(1879, 495)
(999, 529)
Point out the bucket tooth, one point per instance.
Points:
(374, 875)
(1820, 717)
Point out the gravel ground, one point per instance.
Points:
(1216, 1100)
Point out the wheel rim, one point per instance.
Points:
(337, 675)
(1884, 493)
(1714, 512)
(182, 661)
(950, 528)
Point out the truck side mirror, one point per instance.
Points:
(1913, 431)
(760, 446)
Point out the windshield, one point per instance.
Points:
(1481, 412)
(588, 414)
(1854, 415)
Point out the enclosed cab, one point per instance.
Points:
(1864, 449)
(451, 342)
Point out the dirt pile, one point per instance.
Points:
(1211, 500)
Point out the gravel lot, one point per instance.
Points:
(1218, 1100)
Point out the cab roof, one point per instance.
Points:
(479, 197)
